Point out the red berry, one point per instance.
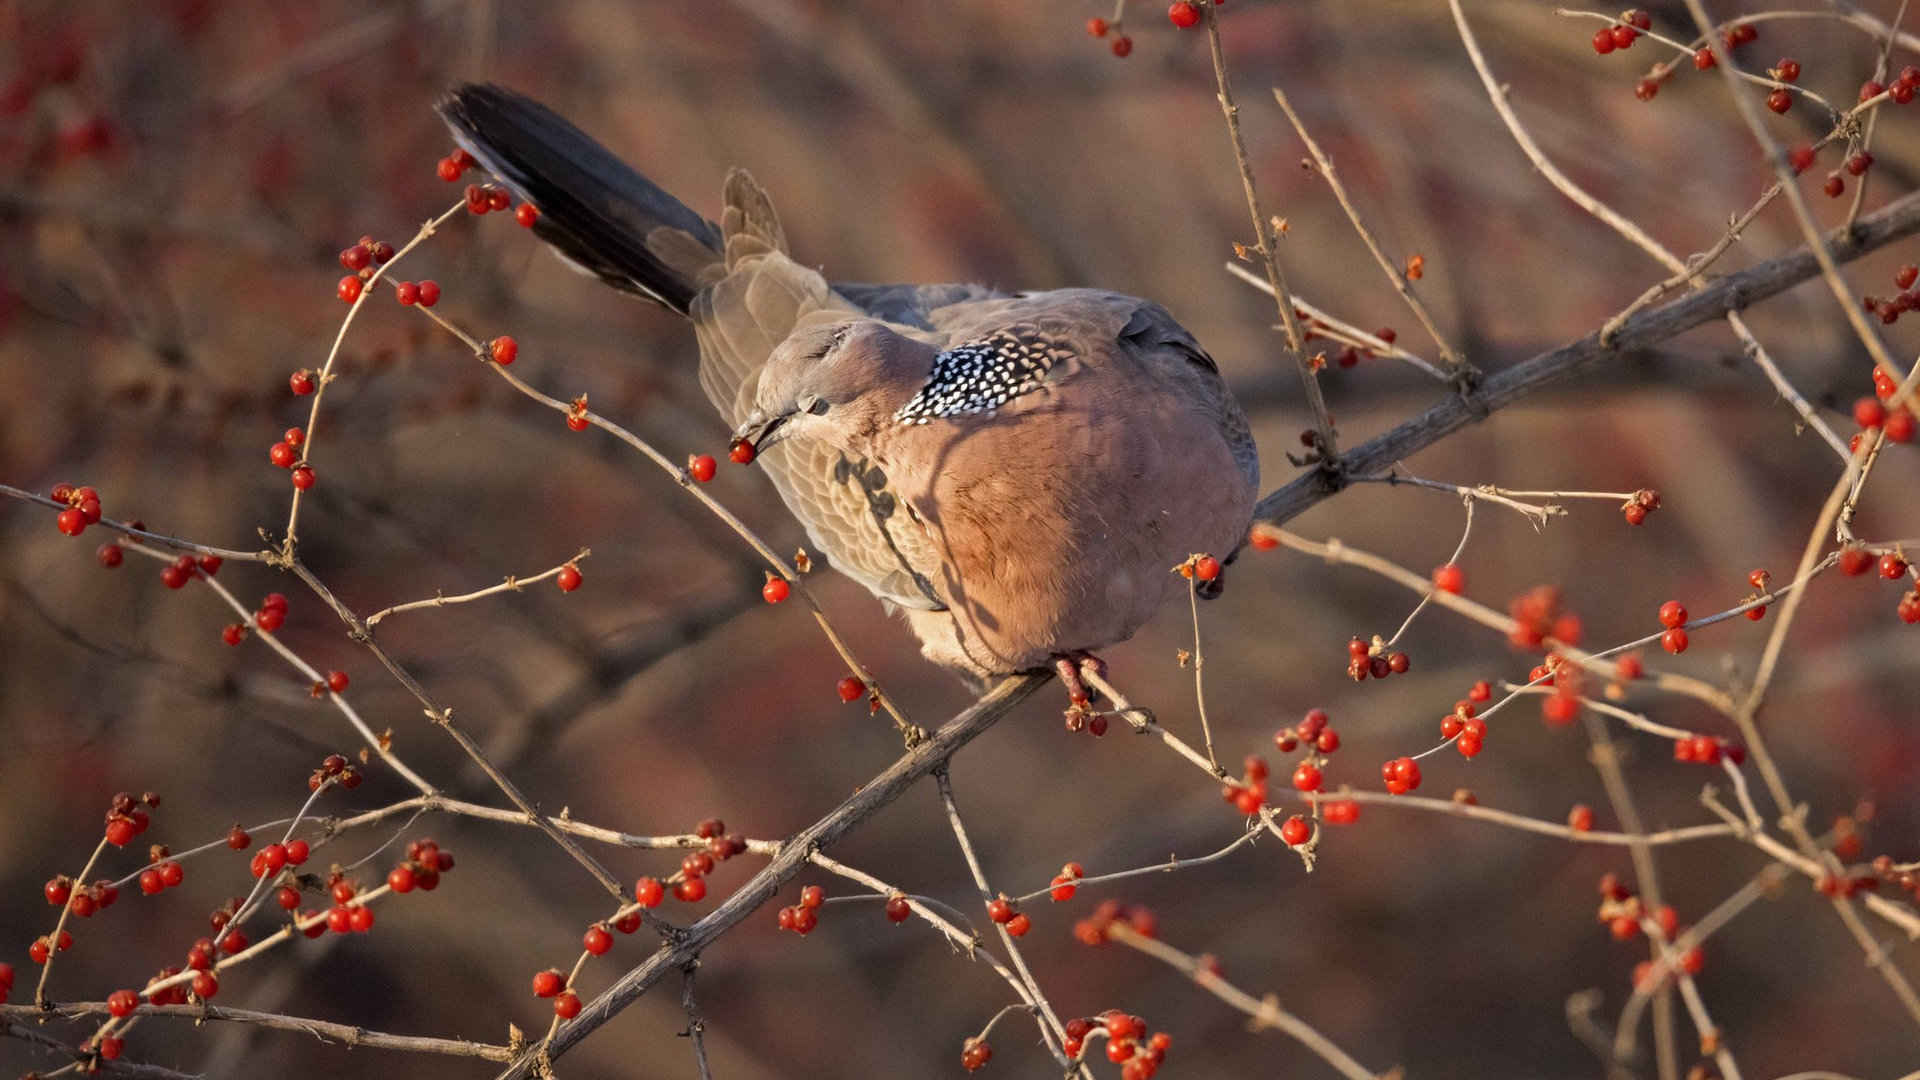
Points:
(1449, 578)
(597, 941)
(1787, 70)
(447, 169)
(700, 466)
(401, 879)
(122, 1002)
(1672, 614)
(1801, 158)
(1097, 26)
(812, 896)
(349, 288)
(1834, 187)
(852, 689)
(119, 832)
(740, 452)
(1892, 566)
(1122, 45)
(1901, 92)
(898, 909)
(999, 910)
(1307, 777)
(648, 892)
(1295, 831)
(1900, 425)
(1624, 36)
(337, 681)
(237, 839)
(1580, 818)
(1779, 100)
(1401, 775)
(1019, 925)
(58, 890)
(548, 983)
(1871, 89)
(1634, 513)
(1674, 641)
(503, 350)
(1603, 40)
(1183, 14)
(1703, 59)
(111, 1047)
(269, 619)
(109, 554)
(1869, 413)
(302, 478)
(568, 579)
(356, 257)
(526, 214)
(1854, 561)
(1206, 568)
(1858, 164)
(301, 382)
(71, 521)
(775, 590)
(690, 890)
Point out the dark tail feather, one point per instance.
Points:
(594, 208)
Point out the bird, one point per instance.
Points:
(1018, 474)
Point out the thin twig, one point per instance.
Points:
(511, 584)
(1453, 360)
(323, 1030)
(1264, 245)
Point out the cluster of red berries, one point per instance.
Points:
(82, 510)
(271, 613)
(1003, 911)
(334, 767)
(1122, 44)
(1066, 882)
(425, 863)
(1621, 911)
(1366, 658)
(163, 874)
(480, 199)
(1467, 730)
(1351, 355)
(1673, 616)
(1856, 560)
(42, 947)
(1319, 739)
(1760, 579)
(802, 917)
(1902, 90)
(1249, 794)
(1093, 929)
(424, 293)
(1562, 707)
(1870, 412)
(552, 984)
(1707, 750)
(286, 454)
(81, 900)
(1537, 616)
(1883, 867)
(126, 819)
(360, 260)
(1623, 34)
(1127, 1043)
(275, 857)
(1639, 505)
(1401, 775)
(181, 570)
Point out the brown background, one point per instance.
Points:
(155, 294)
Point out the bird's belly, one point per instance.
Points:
(1061, 527)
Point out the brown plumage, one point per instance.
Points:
(1018, 474)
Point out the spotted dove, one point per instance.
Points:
(1018, 474)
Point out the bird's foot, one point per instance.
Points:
(1093, 671)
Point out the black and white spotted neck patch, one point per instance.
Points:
(980, 376)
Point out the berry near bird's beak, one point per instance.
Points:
(759, 432)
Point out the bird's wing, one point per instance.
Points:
(739, 319)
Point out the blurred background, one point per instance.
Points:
(176, 178)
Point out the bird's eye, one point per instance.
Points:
(814, 406)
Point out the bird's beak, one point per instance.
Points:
(760, 430)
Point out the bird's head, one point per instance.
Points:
(835, 373)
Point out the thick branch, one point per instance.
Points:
(1734, 292)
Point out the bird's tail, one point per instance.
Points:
(595, 209)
